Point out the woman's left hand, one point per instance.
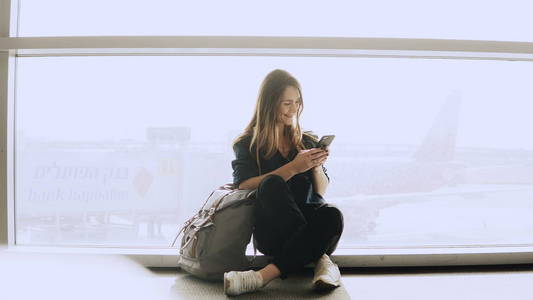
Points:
(321, 159)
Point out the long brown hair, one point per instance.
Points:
(262, 127)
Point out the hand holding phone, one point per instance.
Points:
(325, 141)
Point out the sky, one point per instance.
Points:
(361, 100)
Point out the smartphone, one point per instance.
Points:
(325, 141)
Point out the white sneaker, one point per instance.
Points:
(236, 283)
(327, 274)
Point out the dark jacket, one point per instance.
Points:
(301, 185)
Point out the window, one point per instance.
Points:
(104, 136)
(118, 151)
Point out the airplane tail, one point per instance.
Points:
(439, 143)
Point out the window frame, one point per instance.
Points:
(8, 27)
(12, 46)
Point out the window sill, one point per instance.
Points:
(370, 257)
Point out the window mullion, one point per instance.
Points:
(8, 28)
(306, 46)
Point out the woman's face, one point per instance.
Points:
(288, 105)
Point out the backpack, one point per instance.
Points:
(215, 239)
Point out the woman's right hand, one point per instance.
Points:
(308, 158)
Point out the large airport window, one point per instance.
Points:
(119, 151)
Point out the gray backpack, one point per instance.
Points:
(215, 239)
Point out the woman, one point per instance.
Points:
(293, 223)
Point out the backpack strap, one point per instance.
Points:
(188, 242)
(185, 225)
(215, 206)
(188, 222)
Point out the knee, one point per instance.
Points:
(271, 182)
(335, 219)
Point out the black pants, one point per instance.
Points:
(294, 234)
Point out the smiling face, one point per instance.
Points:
(289, 105)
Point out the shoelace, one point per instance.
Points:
(327, 265)
(327, 262)
(247, 281)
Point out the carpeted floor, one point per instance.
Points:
(409, 283)
(297, 286)
(25, 276)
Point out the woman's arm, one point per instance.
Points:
(285, 172)
(320, 180)
(304, 160)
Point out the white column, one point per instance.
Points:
(8, 17)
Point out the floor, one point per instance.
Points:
(66, 276)
(474, 282)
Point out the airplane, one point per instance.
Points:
(363, 186)
(431, 166)
(161, 186)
